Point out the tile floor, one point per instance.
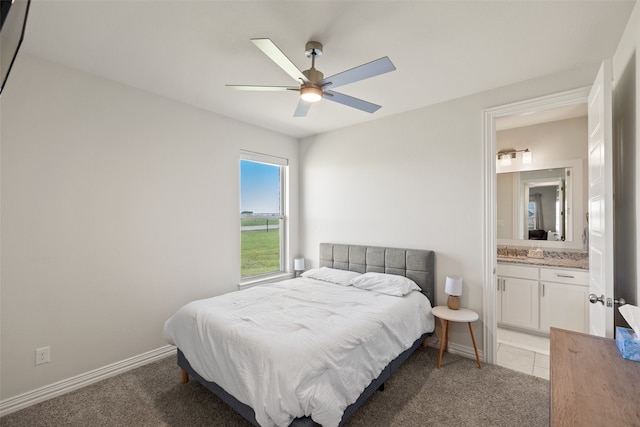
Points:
(523, 353)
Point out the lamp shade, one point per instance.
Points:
(298, 264)
(453, 285)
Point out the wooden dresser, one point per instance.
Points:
(591, 384)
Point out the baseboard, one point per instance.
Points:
(59, 388)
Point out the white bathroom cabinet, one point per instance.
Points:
(537, 298)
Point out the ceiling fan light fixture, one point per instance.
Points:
(311, 94)
(311, 83)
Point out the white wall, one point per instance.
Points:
(626, 100)
(413, 180)
(117, 207)
(548, 142)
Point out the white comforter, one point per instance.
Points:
(300, 347)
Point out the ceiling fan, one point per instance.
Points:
(313, 86)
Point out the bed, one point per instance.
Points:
(327, 341)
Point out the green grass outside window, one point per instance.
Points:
(260, 251)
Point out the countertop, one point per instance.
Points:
(550, 259)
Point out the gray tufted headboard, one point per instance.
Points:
(416, 264)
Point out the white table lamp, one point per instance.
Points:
(453, 288)
(298, 265)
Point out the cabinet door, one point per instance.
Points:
(563, 306)
(520, 302)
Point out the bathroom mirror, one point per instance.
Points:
(541, 207)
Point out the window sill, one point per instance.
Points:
(261, 280)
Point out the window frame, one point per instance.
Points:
(283, 164)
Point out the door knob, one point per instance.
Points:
(593, 298)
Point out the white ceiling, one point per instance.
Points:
(189, 50)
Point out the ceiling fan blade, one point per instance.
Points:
(276, 55)
(365, 71)
(302, 109)
(262, 88)
(350, 101)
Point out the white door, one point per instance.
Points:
(601, 205)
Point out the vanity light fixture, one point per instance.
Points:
(505, 156)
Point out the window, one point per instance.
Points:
(532, 213)
(262, 219)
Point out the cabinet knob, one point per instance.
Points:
(593, 298)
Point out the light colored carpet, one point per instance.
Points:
(418, 394)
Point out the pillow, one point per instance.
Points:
(333, 275)
(390, 284)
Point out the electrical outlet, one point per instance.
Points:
(43, 355)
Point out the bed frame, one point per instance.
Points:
(417, 265)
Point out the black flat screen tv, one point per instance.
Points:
(13, 21)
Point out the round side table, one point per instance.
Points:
(447, 315)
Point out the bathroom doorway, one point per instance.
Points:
(536, 115)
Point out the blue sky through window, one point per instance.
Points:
(259, 187)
